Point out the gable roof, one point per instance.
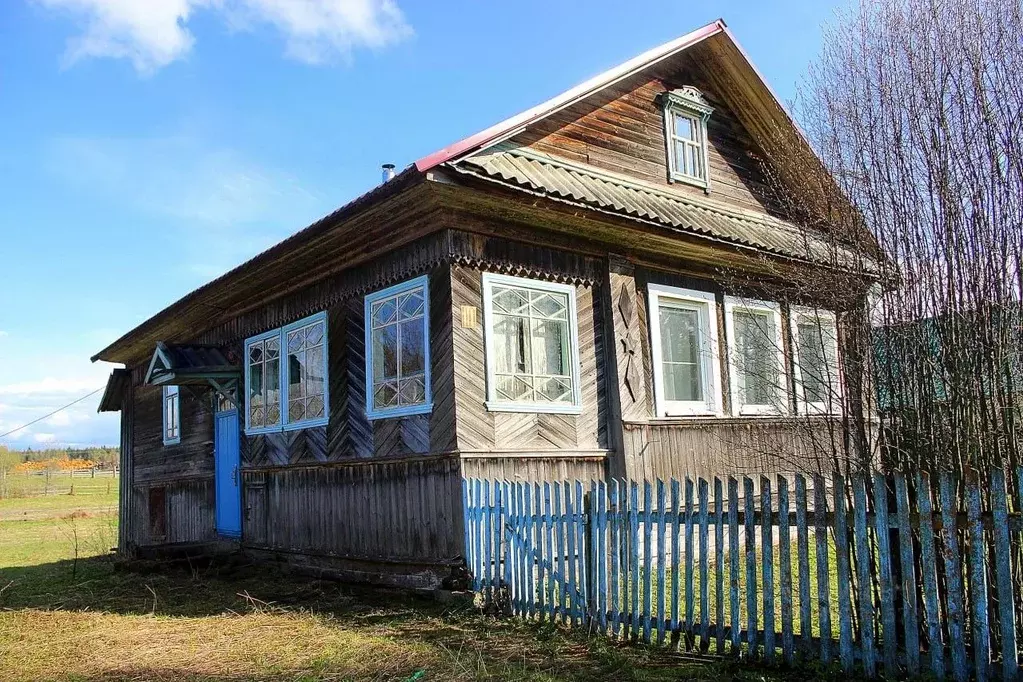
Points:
(195, 306)
(176, 365)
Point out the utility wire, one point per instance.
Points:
(47, 416)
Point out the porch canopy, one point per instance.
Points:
(194, 365)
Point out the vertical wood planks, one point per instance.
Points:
(953, 577)
(676, 558)
(733, 555)
(616, 544)
(978, 581)
(602, 555)
(704, 578)
(647, 550)
(908, 585)
(689, 629)
(785, 565)
(719, 562)
(928, 565)
(820, 510)
(751, 567)
(661, 585)
(634, 557)
(573, 579)
(559, 540)
(582, 589)
(845, 636)
(1003, 575)
(529, 552)
(767, 562)
(803, 561)
(867, 654)
(889, 637)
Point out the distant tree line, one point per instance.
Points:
(103, 457)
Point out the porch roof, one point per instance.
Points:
(174, 365)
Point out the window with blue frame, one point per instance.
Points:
(171, 416)
(398, 350)
(286, 377)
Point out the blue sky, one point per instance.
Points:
(149, 145)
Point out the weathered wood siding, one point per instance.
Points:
(175, 481)
(394, 511)
(621, 129)
(482, 431)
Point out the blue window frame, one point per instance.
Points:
(398, 350)
(171, 416)
(286, 381)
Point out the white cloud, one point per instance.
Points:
(154, 33)
(44, 437)
(3, 333)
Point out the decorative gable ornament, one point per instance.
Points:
(690, 98)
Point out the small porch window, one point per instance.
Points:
(171, 416)
(532, 351)
(815, 357)
(398, 350)
(685, 130)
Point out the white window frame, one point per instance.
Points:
(705, 304)
(737, 304)
(400, 411)
(495, 405)
(690, 103)
(802, 406)
(171, 394)
(283, 423)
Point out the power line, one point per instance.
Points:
(47, 416)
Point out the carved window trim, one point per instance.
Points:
(687, 103)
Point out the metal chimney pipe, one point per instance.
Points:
(387, 172)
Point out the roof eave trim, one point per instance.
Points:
(515, 124)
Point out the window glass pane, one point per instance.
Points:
(756, 356)
(398, 354)
(680, 354)
(815, 362)
(685, 127)
(531, 345)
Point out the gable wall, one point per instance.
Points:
(621, 129)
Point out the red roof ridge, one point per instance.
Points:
(504, 129)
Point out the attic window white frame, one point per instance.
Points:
(753, 307)
(704, 303)
(687, 102)
(832, 405)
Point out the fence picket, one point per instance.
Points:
(889, 637)
(867, 654)
(785, 565)
(485, 520)
(634, 562)
(733, 556)
(909, 590)
(676, 558)
(602, 555)
(928, 566)
(751, 567)
(616, 544)
(559, 539)
(845, 636)
(647, 551)
(661, 596)
(803, 560)
(719, 563)
(1003, 576)
(767, 562)
(702, 492)
(978, 581)
(820, 510)
(582, 586)
(953, 577)
(690, 625)
(529, 553)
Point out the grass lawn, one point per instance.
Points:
(62, 619)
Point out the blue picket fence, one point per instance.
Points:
(870, 573)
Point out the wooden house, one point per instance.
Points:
(544, 300)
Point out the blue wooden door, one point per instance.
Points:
(228, 478)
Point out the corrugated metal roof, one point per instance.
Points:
(582, 184)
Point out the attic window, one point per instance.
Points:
(685, 130)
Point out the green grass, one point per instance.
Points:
(62, 619)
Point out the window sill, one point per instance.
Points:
(400, 412)
(172, 441)
(694, 182)
(535, 408)
(287, 427)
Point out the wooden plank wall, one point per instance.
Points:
(402, 510)
(621, 129)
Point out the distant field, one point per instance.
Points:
(62, 619)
